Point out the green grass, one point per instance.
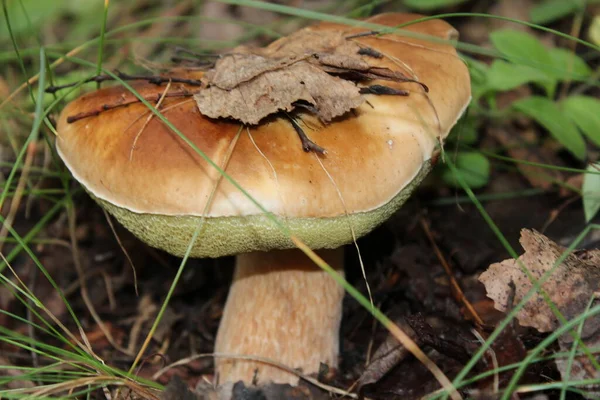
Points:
(72, 364)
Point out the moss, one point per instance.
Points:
(233, 235)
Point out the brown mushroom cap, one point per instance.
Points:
(376, 155)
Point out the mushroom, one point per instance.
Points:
(280, 306)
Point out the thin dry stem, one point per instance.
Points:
(57, 388)
(349, 219)
(135, 140)
(145, 309)
(48, 312)
(455, 286)
(492, 353)
(35, 78)
(125, 252)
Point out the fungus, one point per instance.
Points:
(280, 305)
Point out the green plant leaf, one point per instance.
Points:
(473, 167)
(551, 10)
(520, 46)
(525, 49)
(584, 111)
(427, 5)
(503, 75)
(591, 192)
(465, 131)
(568, 65)
(549, 115)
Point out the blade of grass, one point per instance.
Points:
(101, 41)
(314, 15)
(572, 353)
(37, 122)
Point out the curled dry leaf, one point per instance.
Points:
(320, 69)
(570, 287)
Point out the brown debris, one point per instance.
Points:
(239, 391)
(178, 390)
(570, 287)
(523, 143)
(318, 68)
(278, 90)
(446, 344)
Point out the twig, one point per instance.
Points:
(367, 51)
(154, 79)
(307, 144)
(457, 289)
(106, 107)
(383, 90)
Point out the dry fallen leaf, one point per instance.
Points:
(278, 90)
(316, 70)
(570, 287)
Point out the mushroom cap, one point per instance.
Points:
(158, 186)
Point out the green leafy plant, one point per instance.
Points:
(569, 118)
(591, 192)
(430, 5)
(529, 61)
(474, 167)
(549, 11)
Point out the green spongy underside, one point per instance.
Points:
(223, 236)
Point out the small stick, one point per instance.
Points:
(106, 107)
(307, 106)
(154, 79)
(382, 90)
(367, 51)
(307, 144)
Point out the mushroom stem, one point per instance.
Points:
(283, 307)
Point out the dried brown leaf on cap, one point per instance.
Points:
(570, 287)
(320, 69)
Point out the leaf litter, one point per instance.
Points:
(321, 69)
(572, 286)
